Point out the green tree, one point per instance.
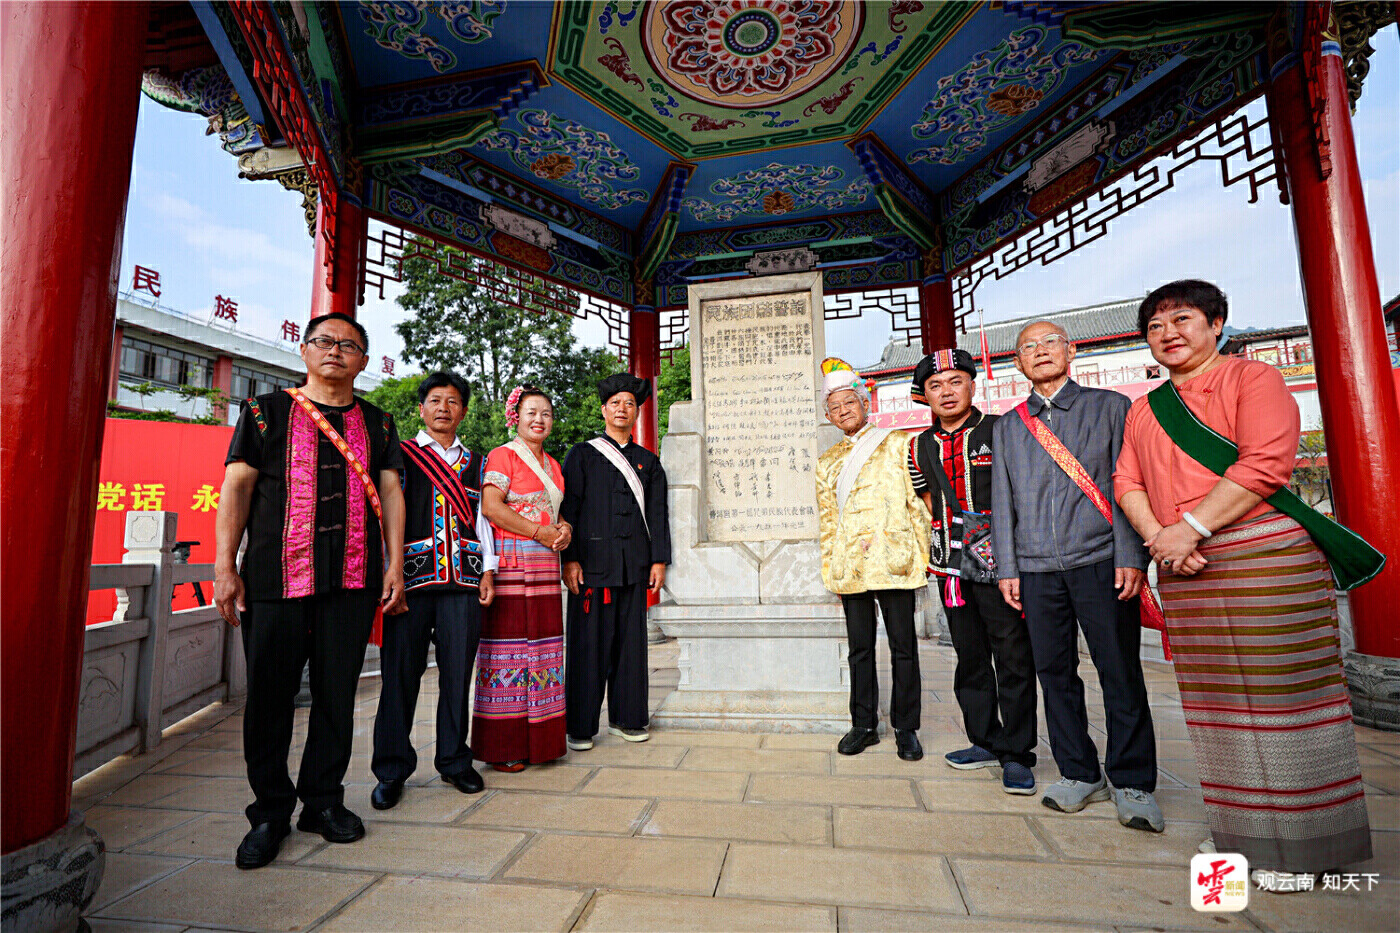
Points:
(483, 429)
(187, 393)
(458, 326)
(1310, 476)
(673, 385)
(399, 397)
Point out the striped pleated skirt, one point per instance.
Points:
(518, 711)
(1258, 662)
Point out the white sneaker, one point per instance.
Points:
(630, 735)
(579, 745)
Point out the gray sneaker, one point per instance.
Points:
(1070, 796)
(1138, 810)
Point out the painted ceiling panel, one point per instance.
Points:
(1001, 71)
(577, 151)
(392, 41)
(787, 184)
(710, 79)
(763, 112)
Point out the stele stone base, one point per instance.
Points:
(757, 667)
(47, 885)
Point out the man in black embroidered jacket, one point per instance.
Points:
(312, 575)
(449, 570)
(615, 499)
(994, 680)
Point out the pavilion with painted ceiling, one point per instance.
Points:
(597, 158)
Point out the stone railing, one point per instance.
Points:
(150, 666)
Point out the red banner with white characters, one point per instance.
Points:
(161, 466)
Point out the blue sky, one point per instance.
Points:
(210, 233)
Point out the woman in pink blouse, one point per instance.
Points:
(1249, 603)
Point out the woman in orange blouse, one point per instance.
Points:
(1248, 599)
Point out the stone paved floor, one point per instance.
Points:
(692, 831)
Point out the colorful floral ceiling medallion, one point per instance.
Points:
(993, 89)
(746, 53)
(778, 189)
(570, 154)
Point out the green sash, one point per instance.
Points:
(1353, 561)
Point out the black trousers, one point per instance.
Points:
(279, 637)
(1112, 629)
(897, 609)
(451, 621)
(606, 646)
(994, 680)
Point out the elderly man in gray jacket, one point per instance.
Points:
(1065, 552)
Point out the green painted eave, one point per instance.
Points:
(655, 251)
(1138, 25)
(397, 142)
(318, 49)
(903, 216)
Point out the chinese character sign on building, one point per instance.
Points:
(225, 309)
(291, 331)
(146, 280)
(387, 366)
(758, 363)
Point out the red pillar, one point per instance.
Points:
(336, 285)
(1355, 386)
(223, 381)
(936, 313)
(71, 74)
(644, 362)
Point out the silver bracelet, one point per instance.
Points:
(1202, 530)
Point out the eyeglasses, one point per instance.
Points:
(348, 347)
(1049, 341)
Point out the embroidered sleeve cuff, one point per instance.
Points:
(499, 480)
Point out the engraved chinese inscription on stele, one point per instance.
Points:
(760, 432)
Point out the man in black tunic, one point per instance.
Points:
(994, 681)
(449, 574)
(312, 576)
(615, 499)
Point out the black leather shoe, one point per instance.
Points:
(857, 741)
(386, 794)
(335, 824)
(261, 844)
(906, 742)
(468, 782)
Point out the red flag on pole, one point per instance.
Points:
(986, 355)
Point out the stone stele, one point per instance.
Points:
(762, 641)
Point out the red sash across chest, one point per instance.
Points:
(443, 477)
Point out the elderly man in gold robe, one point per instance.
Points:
(874, 544)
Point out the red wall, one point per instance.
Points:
(180, 458)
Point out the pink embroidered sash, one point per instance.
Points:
(302, 485)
